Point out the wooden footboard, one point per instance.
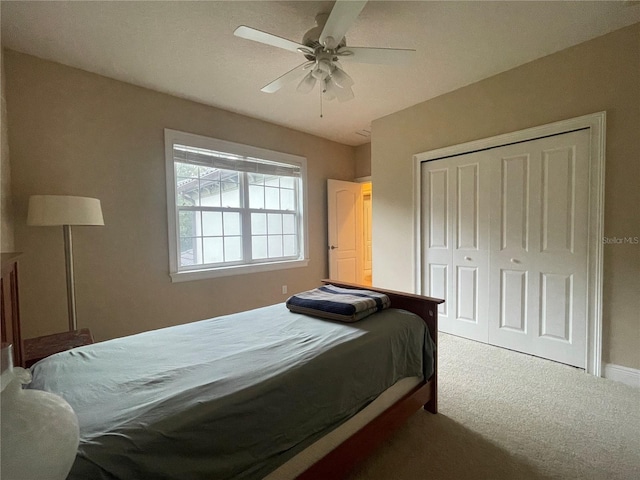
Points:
(337, 463)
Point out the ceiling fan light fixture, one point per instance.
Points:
(341, 78)
(342, 94)
(325, 65)
(307, 83)
(329, 90)
(319, 74)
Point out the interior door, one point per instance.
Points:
(344, 205)
(538, 274)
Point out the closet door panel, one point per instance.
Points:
(455, 243)
(436, 240)
(471, 244)
(546, 242)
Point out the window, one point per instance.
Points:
(232, 208)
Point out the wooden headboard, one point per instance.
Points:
(425, 307)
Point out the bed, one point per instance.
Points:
(248, 395)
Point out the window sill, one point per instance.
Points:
(235, 270)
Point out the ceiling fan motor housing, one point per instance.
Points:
(312, 38)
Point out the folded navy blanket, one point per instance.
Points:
(335, 303)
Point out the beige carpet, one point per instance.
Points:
(505, 415)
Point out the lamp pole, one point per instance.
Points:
(71, 288)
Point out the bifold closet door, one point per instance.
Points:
(504, 242)
(455, 219)
(538, 268)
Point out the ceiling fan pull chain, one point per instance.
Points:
(321, 91)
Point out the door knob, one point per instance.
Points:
(332, 247)
(467, 258)
(514, 260)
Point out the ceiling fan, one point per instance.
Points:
(324, 46)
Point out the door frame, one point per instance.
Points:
(596, 123)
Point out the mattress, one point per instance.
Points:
(310, 455)
(230, 397)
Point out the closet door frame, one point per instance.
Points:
(596, 123)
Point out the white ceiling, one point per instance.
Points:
(188, 49)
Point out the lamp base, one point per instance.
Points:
(38, 430)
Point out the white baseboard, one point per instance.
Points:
(626, 375)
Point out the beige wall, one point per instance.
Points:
(72, 132)
(363, 160)
(6, 203)
(602, 74)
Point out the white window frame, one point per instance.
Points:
(173, 137)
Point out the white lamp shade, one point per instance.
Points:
(50, 210)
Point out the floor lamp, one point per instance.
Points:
(55, 210)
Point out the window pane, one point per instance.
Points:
(288, 224)
(256, 196)
(189, 251)
(259, 247)
(213, 252)
(289, 243)
(259, 223)
(229, 176)
(231, 223)
(212, 224)
(272, 181)
(272, 198)
(232, 249)
(209, 173)
(275, 246)
(287, 182)
(230, 194)
(256, 178)
(186, 170)
(275, 223)
(287, 200)
(209, 193)
(187, 223)
(186, 192)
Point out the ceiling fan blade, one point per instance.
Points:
(342, 15)
(281, 81)
(379, 56)
(267, 38)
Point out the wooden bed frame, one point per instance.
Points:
(337, 463)
(341, 460)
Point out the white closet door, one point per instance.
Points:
(504, 235)
(455, 206)
(538, 272)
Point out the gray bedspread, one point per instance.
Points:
(230, 397)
